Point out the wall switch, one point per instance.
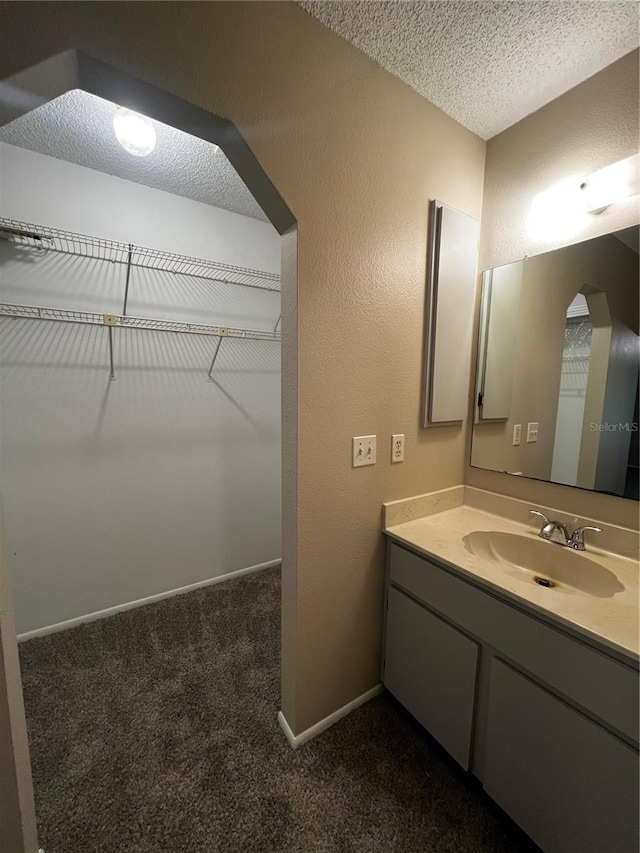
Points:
(532, 432)
(517, 434)
(397, 448)
(364, 450)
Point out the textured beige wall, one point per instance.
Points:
(356, 155)
(588, 128)
(549, 283)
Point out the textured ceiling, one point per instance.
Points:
(77, 127)
(487, 64)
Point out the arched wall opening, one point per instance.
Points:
(21, 94)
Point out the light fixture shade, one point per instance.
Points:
(611, 185)
(134, 132)
(558, 212)
(563, 210)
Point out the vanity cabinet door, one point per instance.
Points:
(571, 785)
(431, 669)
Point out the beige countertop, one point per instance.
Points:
(612, 622)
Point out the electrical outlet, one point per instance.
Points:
(532, 433)
(363, 450)
(397, 448)
(517, 434)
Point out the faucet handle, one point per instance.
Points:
(577, 537)
(541, 514)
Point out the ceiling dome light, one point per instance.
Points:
(134, 132)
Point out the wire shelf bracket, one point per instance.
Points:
(127, 280)
(224, 332)
(110, 320)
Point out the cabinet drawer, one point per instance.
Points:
(599, 684)
(431, 669)
(571, 785)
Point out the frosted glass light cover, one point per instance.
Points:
(134, 132)
(611, 185)
(557, 213)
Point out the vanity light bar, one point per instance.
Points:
(611, 185)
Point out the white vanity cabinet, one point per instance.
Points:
(546, 721)
(567, 781)
(422, 649)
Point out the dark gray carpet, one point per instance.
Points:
(155, 731)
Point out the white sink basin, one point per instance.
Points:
(553, 566)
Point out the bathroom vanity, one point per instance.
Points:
(533, 689)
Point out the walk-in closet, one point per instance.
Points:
(140, 453)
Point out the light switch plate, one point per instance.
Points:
(397, 448)
(517, 434)
(532, 433)
(363, 450)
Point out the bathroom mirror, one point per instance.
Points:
(557, 376)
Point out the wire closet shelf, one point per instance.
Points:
(93, 318)
(44, 239)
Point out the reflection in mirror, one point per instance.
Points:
(558, 357)
(574, 374)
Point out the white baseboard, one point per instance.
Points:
(297, 740)
(141, 602)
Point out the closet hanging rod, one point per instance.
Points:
(43, 238)
(92, 318)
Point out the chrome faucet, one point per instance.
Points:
(556, 531)
(577, 537)
(552, 531)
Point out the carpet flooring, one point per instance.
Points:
(155, 731)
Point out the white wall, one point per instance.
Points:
(115, 491)
(570, 416)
